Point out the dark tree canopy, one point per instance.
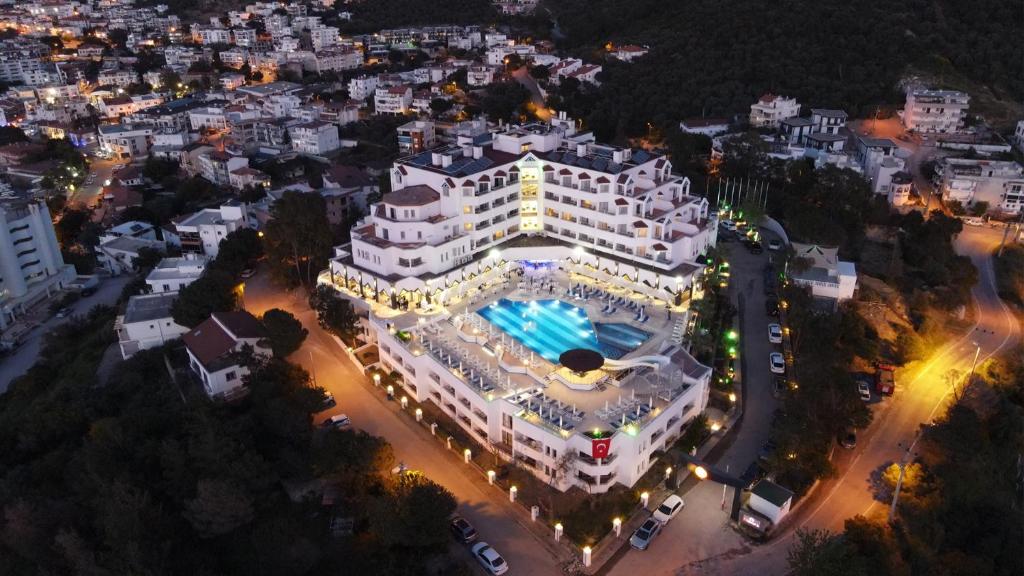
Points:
(284, 331)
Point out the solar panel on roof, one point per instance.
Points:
(600, 164)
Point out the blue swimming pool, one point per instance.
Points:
(550, 327)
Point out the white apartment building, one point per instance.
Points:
(1018, 135)
(202, 231)
(771, 109)
(452, 205)
(316, 137)
(211, 347)
(481, 74)
(999, 183)
(147, 323)
(935, 111)
(212, 117)
(322, 37)
(416, 136)
(173, 274)
(362, 87)
(392, 100)
(117, 77)
(125, 140)
(31, 265)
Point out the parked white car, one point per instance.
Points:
(668, 509)
(864, 390)
(728, 225)
(489, 558)
(775, 334)
(778, 363)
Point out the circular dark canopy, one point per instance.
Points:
(581, 360)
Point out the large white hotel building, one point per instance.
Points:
(509, 221)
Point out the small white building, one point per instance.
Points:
(416, 136)
(117, 254)
(998, 183)
(1018, 135)
(316, 137)
(481, 74)
(202, 231)
(825, 274)
(709, 127)
(147, 323)
(771, 109)
(900, 187)
(771, 500)
(629, 52)
(173, 274)
(212, 348)
(392, 100)
(362, 87)
(935, 111)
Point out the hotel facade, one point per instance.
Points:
(612, 230)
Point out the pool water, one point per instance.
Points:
(550, 327)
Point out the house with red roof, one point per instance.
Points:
(217, 349)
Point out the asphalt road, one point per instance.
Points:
(484, 507)
(89, 194)
(702, 529)
(922, 394)
(25, 356)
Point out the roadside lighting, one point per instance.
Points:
(644, 499)
(490, 477)
(668, 472)
(732, 397)
(376, 379)
(587, 556)
(700, 473)
(716, 426)
(467, 454)
(419, 414)
(731, 335)
(512, 491)
(558, 531)
(391, 390)
(617, 526)
(260, 233)
(791, 456)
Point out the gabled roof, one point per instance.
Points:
(217, 336)
(772, 492)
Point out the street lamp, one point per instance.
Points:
(899, 481)
(700, 472)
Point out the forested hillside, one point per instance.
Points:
(716, 56)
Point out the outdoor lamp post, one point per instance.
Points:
(617, 526)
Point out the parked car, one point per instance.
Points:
(774, 245)
(248, 273)
(328, 400)
(778, 363)
(489, 558)
(728, 225)
(864, 389)
(775, 334)
(641, 539)
(668, 509)
(338, 421)
(64, 312)
(848, 439)
(462, 530)
(779, 386)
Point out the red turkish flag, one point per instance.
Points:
(600, 448)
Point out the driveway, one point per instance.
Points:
(702, 530)
(483, 506)
(25, 356)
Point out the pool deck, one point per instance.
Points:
(497, 365)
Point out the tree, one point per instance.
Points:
(284, 331)
(504, 101)
(979, 208)
(440, 105)
(540, 73)
(156, 169)
(238, 251)
(213, 292)
(333, 313)
(819, 553)
(148, 258)
(413, 514)
(218, 508)
(298, 237)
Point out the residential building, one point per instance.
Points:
(125, 141)
(216, 166)
(481, 74)
(246, 177)
(362, 87)
(202, 231)
(629, 52)
(935, 111)
(823, 273)
(770, 110)
(825, 121)
(214, 349)
(393, 100)
(340, 113)
(1000, 184)
(345, 191)
(173, 274)
(147, 323)
(901, 186)
(315, 138)
(415, 137)
(1018, 135)
(31, 265)
(117, 254)
(709, 127)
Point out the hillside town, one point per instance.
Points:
(403, 273)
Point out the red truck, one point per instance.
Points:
(885, 379)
